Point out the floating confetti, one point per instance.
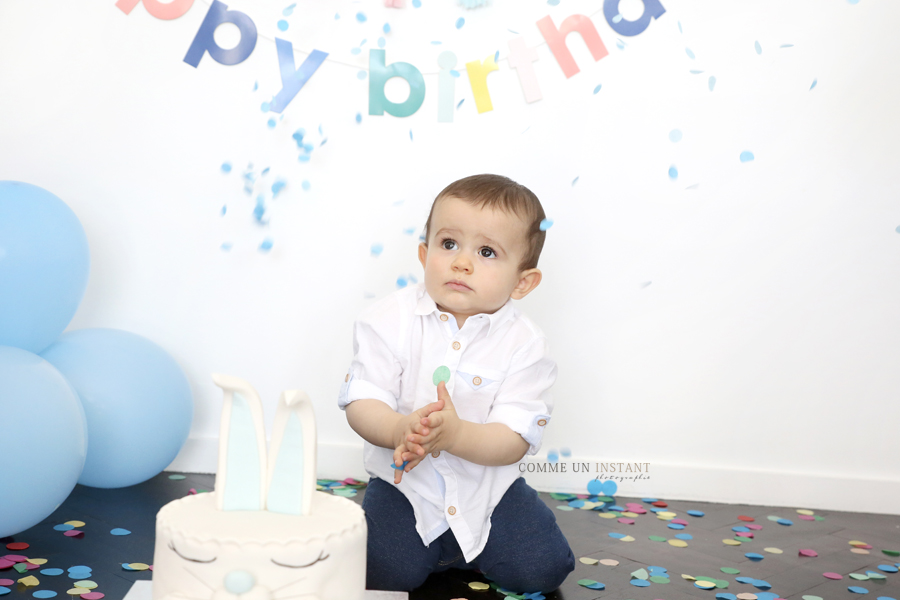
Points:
(786, 46)
(417, 3)
(690, 53)
(386, 28)
(226, 246)
(673, 172)
(556, 3)
(361, 74)
(815, 81)
(712, 82)
(757, 47)
(282, 25)
(460, 103)
(358, 117)
(574, 181)
(266, 244)
(287, 11)
(376, 249)
(305, 185)
(675, 135)
(597, 89)
(460, 22)
(548, 223)
(442, 373)
(226, 167)
(382, 42)
(747, 156)
(361, 17)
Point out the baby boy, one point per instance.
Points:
(449, 388)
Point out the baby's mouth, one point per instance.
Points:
(459, 286)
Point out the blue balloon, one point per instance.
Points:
(44, 264)
(136, 398)
(44, 439)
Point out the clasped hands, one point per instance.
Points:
(432, 428)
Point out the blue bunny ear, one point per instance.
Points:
(240, 478)
(292, 455)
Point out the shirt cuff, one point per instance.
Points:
(358, 389)
(527, 424)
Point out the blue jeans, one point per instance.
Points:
(525, 551)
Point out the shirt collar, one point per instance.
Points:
(426, 306)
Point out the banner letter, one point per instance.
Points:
(556, 39)
(653, 9)
(521, 58)
(478, 72)
(446, 86)
(378, 77)
(293, 79)
(166, 12)
(205, 42)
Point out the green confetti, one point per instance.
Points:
(442, 373)
(730, 570)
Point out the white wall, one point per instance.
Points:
(758, 365)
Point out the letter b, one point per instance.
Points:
(378, 77)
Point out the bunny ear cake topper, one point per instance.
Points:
(248, 478)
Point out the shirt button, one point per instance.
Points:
(452, 510)
(347, 378)
(542, 422)
(477, 380)
(456, 345)
(444, 317)
(436, 454)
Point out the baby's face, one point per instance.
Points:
(472, 258)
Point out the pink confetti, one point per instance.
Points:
(831, 575)
(754, 527)
(864, 546)
(807, 517)
(93, 595)
(191, 491)
(150, 567)
(679, 521)
(808, 552)
(31, 567)
(626, 521)
(73, 533)
(6, 582)
(16, 558)
(745, 534)
(5, 564)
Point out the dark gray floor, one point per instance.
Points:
(790, 576)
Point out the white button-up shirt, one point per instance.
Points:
(500, 372)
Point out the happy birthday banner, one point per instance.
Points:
(521, 57)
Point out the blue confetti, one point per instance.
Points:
(740, 528)
(277, 187)
(435, 43)
(620, 44)
(576, 503)
(376, 249)
(410, 135)
(675, 526)
(409, 230)
(758, 47)
(226, 168)
(355, 51)
(552, 456)
(597, 89)
(266, 244)
(51, 572)
(725, 596)
(401, 282)
(747, 156)
(271, 123)
(226, 246)
(853, 1)
(673, 172)
(458, 104)
(888, 568)
(417, 3)
(44, 594)
(4, 590)
(303, 158)
(386, 28)
(264, 171)
(689, 53)
(786, 46)
(496, 56)
(307, 147)
(553, 2)
(282, 25)
(290, 9)
(712, 82)
(547, 223)
(224, 209)
(574, 181)
(67, 527)
(381, 42)
(322, 143)
(337, 16)
(679, 27)
(754, 556)
(305, 185)
(255, 85)
(454, 73)
(762, 585)
(617, 18)
(675, 135)
(403, 466)
(684, 536)
(358, 118)
(79, 568)
(616, 535)
(264, 107)
(120, 531)
(858, 590)
(815, 81)
(696, 513)
(785, 522)
(513, 32)
(361, 74)
(259, 210)
(639, 582)
(361, 17)
(744, 579)
(460, 22)
(696, 71)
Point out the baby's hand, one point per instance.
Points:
(436, 431)
(405, 450)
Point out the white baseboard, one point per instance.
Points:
(665, 481)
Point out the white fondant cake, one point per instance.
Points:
(264, 533)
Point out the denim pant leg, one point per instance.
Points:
(396, 558)
(525, 551)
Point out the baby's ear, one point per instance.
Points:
(292, 455)
(241, 473)
(528, 280)
(423, 253)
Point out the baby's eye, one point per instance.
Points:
(487, 252)
(448, 244)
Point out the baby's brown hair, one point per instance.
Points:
(498, 192)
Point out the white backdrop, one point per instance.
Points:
(735, 327)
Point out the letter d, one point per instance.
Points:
(204, 41)
(378, 77)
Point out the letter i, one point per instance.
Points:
(446, 87)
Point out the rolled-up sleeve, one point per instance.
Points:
(523, 402)
(375, 370)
